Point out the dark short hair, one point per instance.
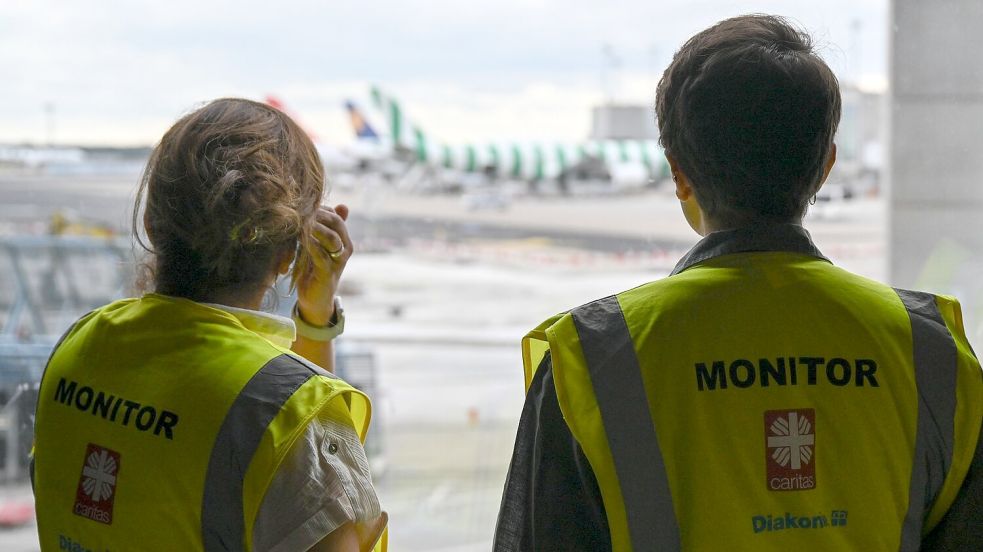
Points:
(748, 110)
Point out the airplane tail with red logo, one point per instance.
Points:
(278, 104)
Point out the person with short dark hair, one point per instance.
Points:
(759, 398)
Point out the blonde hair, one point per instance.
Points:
(230, 189)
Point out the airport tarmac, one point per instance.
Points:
(852, 233)
(441, 295)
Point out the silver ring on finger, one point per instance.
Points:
(336, 255)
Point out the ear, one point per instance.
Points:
(684, 191)
(284, 260)
(687, 199)
(830, 161)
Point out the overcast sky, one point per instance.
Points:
(119, 72)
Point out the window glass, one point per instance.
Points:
(501, 165)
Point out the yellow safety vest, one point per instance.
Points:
(762, 399)
(160, 424)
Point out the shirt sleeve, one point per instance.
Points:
(551, 499)
(961, 529)
(323, 483)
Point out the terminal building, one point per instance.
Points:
(613, 121)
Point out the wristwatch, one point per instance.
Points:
(321, 333)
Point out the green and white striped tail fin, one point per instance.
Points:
(403, 135)
(513, 160)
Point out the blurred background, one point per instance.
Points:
(501, 163)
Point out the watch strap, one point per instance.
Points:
(320, 333)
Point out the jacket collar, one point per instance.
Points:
(790, 238)
(279, 330)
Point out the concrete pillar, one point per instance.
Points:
(935, 170)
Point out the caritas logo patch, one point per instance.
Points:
(790, 449)
(97, 484)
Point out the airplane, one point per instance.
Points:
(368, 152)
(363, 131)
(626, 163)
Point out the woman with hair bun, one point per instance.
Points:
(188, 419)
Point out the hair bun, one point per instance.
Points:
(229, 188)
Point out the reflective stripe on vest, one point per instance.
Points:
(754, 329)
(934, 355)
(242, 401)
(616, 378)
(617, 381)
(222, 518)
